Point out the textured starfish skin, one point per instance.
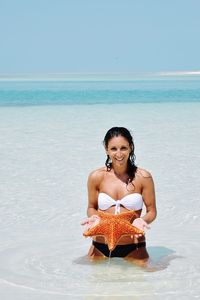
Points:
(113, 227)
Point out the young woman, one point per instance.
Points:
(118, 187)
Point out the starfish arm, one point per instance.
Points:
(96, 230)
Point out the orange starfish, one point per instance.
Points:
(113, 227)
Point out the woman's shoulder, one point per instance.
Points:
(97, 174)
(143, 173)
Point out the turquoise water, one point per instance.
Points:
(46, 154)
(25, 93)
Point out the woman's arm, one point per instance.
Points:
(93, 190)
(93, 219)
(148, 194)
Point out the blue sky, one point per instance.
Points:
(106, 36)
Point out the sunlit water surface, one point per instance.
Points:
(46, 154)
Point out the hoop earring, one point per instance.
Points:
(132, 159)
(108, 163)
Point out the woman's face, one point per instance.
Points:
(118, 150)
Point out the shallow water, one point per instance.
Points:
(46, 154)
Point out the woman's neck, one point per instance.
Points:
(121, 173)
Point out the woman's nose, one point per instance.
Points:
(118, 152)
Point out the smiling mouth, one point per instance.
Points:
(119, 159)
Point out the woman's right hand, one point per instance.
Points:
(91, 221)
(140, 224)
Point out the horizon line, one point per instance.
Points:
(94, 75)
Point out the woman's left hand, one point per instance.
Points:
(91, 221)
(142, 225)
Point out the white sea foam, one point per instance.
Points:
(76, 76)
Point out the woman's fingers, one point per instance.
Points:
(84, 222)
(91, 221)
(141, 224)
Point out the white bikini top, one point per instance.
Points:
(132, 201)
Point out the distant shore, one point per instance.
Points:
(97, 76)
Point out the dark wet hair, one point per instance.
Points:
(122, 131)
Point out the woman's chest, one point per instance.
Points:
(118, 188)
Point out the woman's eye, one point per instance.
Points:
(122, 148)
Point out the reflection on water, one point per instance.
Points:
(159, 259)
